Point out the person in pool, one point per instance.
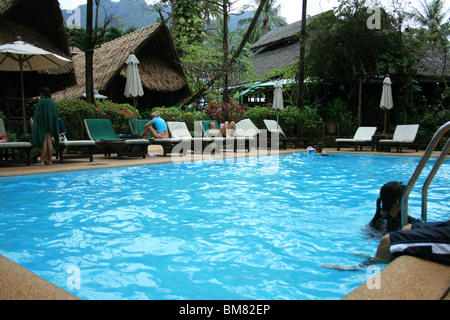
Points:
(228, 129)
(318, 151)
(387, 217)
(160, 132)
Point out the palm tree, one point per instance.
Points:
(269, 19)
(434, 17)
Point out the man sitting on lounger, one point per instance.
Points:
(228, 129)
(160, 132)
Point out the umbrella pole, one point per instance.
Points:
(135, 116)
(385, 120)
(23, 99)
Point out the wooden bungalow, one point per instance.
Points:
(162, 77)
(40, 23)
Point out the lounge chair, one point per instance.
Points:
(405, 134)
(246, 133)
(363, 136)
(168, 145)
(75, 144)
(5, 147)
(103, 133)
(274, 128)
(179, 130)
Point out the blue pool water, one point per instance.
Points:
(257, 228)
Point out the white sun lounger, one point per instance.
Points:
(403, 135)
(6, 146)
(363, 136)
(246, 133)
(179, 130)
(274, 128)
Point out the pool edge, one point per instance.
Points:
(19, 283)
(407, 278)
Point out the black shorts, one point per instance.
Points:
(428, 240)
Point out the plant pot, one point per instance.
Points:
(331, 128)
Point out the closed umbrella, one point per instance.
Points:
(387, 102)
(22, 56)
(278, 97)
(133, 86)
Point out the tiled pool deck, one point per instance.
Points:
(403, 279)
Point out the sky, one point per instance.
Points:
(290, 9)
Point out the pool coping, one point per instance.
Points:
(405, 278)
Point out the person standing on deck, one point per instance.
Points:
(45, 129)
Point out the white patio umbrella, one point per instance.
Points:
(278, 97)
(386, 102)
(22, 56)
(133, 86)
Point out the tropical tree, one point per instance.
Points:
(342, 50)
(93, 34)
(269, 19)
(434, 17)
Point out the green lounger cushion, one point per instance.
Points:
(100, 129)
(140, 126)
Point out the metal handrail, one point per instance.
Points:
(431, 147)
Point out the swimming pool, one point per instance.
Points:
(249, 228)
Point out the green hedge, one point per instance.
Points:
(74, 111)
(295, 122)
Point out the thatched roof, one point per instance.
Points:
(282, 35)
(278, 48)
(267, 60)
(433, 65)
(37, 22)
(159, 66)
(278, 36)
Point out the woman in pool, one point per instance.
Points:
(387, 217)
(160, 132)
(45, 129)
(228, 129)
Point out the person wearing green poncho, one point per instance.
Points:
(45, 126)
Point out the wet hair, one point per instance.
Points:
(389, 193)
(45, 92)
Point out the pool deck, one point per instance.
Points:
(406, 278)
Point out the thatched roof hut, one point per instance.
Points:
(41, 24)
(433, 66)
(160, 69)
(278, 49)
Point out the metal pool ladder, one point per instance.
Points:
(431, 147)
